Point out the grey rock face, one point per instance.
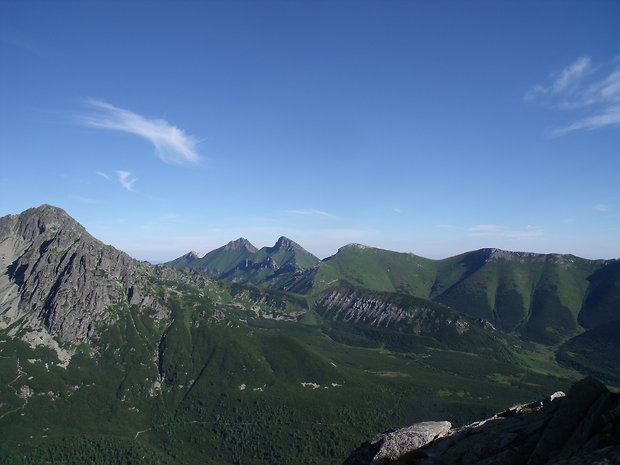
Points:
(389, 446)
(66, 277)
(357, 306)
(582, 427)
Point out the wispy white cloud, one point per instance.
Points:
(124, 177)
(104, 175)
(569, 78)
(607, 117)
(172, 144)
(591, 93)
(311, 213)
(601, 207)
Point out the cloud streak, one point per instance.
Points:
(497, 230)
(124, 177)
(591, 93)
(172, 144)
(311, 213)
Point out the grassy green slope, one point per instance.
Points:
(544, 298)
(595, 352)
(537, 296)
(602, 303)
(233, 377)
(220, 261)
(287, 253)
(540, 297)
(378, 270)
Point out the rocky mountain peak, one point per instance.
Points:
(286, 244)
(57, 273)
(45, 218)
(353, 245)
(193, 255)
(492, 254)
(241, 244)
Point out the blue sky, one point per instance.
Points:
(417, 126)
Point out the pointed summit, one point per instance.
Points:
(193, 255)
(186, 260)
(288, 252)
(36, 221)
(240, 244)
(241, 262)
(286, 244)
(59, 276)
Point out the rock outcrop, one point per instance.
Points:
(389, 446)
(54, 271)
(356, 306)
(579, 428)
(384, 310)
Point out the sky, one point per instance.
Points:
(430, 127)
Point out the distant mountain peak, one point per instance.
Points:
(241, 244)
(523, 257)
(353, 245)
(193, 255)
(286, 243)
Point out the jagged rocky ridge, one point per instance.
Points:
(57, 273)
(579, 428)
(239, 261)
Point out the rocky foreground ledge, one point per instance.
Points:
(579, 428)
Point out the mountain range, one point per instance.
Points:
(261, 356)
(543, 298)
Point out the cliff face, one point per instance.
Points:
(54, 271)
(579, 428)
(379, 309)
